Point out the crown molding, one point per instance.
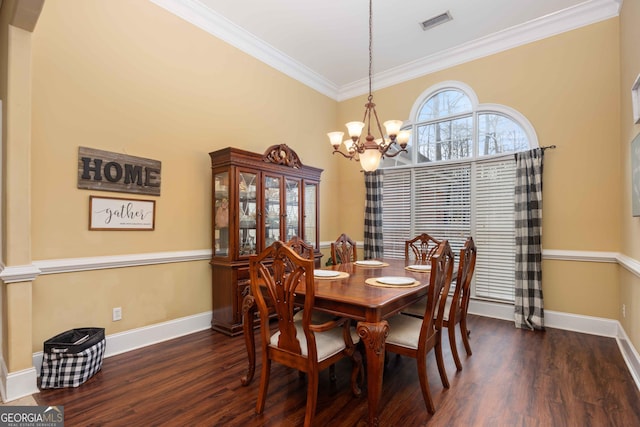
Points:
(550, 25)
(217, 25)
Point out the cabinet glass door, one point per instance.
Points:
(221, 219)
(247, 208)
(311, 213)
(271, 209)
(292, 206)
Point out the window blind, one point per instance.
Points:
(443, 203)
(454, 201)
(396, 211)
(494, 229)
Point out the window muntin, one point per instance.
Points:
(445, 140)
(445, 103)
(498, 134)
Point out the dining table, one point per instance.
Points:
(367, 291)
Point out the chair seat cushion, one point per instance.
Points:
(327, 343)
(418, 308)
(404, 330)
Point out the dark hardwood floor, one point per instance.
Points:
(514, 378)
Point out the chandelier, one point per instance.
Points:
(370, 150)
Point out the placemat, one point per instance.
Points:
(418, 270)
(342, 275)
(373, 282)
(382, 264)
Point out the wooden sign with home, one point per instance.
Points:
(107, 171)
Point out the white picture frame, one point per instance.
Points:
(635, 100)
(113, 213)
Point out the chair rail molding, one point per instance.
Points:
(23, 273)
(625, 261)
(69, 265)
(19, 273)
(588, 256)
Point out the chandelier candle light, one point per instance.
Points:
(371, 150)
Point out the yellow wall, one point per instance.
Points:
(630, 226)
(567, 86)
(127, 76)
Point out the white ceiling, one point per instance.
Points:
(324, 44)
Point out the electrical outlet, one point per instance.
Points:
(624, 310)
(117, 313)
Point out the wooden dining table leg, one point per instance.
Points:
(373, 336)
(248, 316)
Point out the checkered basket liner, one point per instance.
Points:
(66, 364)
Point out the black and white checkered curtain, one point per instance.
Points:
(373, 182)
(529, 312)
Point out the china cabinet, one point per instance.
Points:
(257, 199)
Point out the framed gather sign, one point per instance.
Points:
(112, 213)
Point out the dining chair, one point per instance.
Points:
(420, 248)
(457, 305)
(343, 250)
(280, 273)
(416, 337)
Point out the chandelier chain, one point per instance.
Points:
(370, 46)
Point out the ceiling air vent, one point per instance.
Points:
(436, 20)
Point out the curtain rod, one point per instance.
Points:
(548, 146)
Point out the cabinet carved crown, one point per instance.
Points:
(282, 155)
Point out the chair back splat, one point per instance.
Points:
(421, 247)
(301, 247)
(343, 250)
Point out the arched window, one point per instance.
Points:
(457, 180)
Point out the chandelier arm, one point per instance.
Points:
(349, 156)
(384, 153)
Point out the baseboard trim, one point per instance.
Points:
(18, 384)
(142, 337)
(630, 355)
